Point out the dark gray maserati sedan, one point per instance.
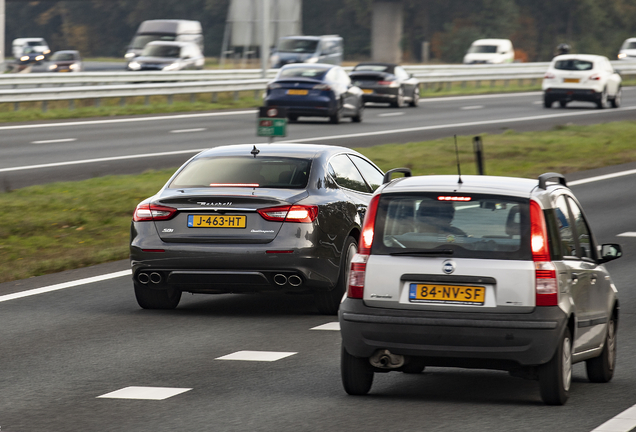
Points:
(253, 218)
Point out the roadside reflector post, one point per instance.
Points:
(271, 122)
(478, 147)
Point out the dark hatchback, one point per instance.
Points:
(315, 90)
(386, 83)
(244, 218)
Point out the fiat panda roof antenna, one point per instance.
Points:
(459, 168)
(255, 151)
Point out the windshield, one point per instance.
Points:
(573, 65)
(140, 41)
(36, 43)
(170, 51)
(629, 45)
(470, 225)
(482, 49)
(269, 172)
(297, 45)
(373, 68)
(63, 57)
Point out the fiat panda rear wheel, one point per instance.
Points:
(356, 374)
(601, 368)
(555, 376)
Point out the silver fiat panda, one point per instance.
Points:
(479, 272)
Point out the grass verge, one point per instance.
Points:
(50, 228)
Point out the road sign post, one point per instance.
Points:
(272, 122)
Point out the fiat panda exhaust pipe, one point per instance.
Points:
(155, 277)
(294, 280)
(280, 279)
(385, 359)
(143, 278)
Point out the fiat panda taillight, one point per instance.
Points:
(547, 292)
(359, 263)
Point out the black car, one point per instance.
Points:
(30, 57)
(245, 218)
(315, 90)
(386, 83)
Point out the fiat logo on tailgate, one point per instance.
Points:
(448, 267)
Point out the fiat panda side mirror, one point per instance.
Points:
(610, 251)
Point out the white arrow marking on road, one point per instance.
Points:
(54, 141)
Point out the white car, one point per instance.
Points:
(581, 77)
(628, 50)
(492, 51)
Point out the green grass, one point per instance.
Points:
(50, 228)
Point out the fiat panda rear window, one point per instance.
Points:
(573, 65)
(264, 172)
(470, 226)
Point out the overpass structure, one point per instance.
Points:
(386, 31)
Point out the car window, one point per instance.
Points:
(482, 49)
(372, 67)
(564, 224)
(303, 72)
(582, 231)
(297, 45)
(371, 174)
(346, 174)
(269, 172)
(471, 226)
(573, 65)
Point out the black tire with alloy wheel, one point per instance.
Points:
(356, 373)
(563, 103)
(335, 119)
(602, 100)
(293, 118)
(555, 377)
(547, 102)
(359, 113)
(150, 298)
(616, 100)
(416, 97)
(399, 100)
(601, 368)
(328, 302)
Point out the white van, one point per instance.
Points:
(37, 45)
(628, 50)
(490, 51)
(308, 49)
(167, 31)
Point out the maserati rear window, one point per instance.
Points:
(470, 226)
(264, 172)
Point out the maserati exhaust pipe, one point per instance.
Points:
(294, 280)
(155, 277)
(143, 278)
(280, 279)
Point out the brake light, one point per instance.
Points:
(356, 276)
(366, 239)
(595, 77)
(149, 212)
(549, 76)
(322, 87)
(546, 288)
(295, 213)
(453, 198)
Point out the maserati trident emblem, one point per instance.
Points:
(448, 267)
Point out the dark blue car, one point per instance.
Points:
(315, 90)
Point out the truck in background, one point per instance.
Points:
(37, 45)
(308, 49)
(164, 30)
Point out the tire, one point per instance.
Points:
(414, 367)
(335, 119)
(293, 118)
(555, 377)
(328, 302)
(563, 103)
(416, 97)
(616, 100)
(547, 102)
(399, 101)
(358, 117)
(356, 374)
(601, 368)
(149, 298)
(602, 102)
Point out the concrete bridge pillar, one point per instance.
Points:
(386, 31)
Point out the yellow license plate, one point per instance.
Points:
(206, 221)
(449, 294)
(571, 80)
(367, 91)
(297, 92)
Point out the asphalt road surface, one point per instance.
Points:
(72, 150)
(84, 357)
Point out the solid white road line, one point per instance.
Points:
(149, 393)
(268, 356)
(627, 234)
(334, 326)
(188, 130)
(602, 177)
(64, 285)
(624, 422)
(54, 141)
(391, 114)
(474, 107)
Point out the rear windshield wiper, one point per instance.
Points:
(425, 252)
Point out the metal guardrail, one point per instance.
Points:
(95, 85)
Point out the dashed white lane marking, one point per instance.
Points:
(329, 326)
(150, 393)
(64, 285)
(61, 140)
(268, 356)
(391, 114)
(627, 234)
(474, 107)
(537, 102)
(188, 130)
(624, 422)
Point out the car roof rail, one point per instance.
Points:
(544, 178)
(387, 175)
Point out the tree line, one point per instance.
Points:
(536, 27)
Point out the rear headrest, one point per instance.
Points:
(513, 223)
